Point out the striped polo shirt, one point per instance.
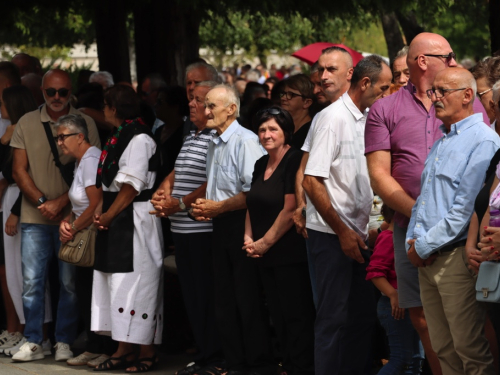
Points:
(190, 174)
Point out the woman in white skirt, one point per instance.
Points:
(127, 295)
(16, 101)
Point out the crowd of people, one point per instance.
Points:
(310, 208)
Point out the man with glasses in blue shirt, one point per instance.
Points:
(453, 174)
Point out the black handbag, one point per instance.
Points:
(67, 170)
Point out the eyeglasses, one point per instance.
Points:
(52, 92)
(448, 57)
(62, 137)
(290, 95)
(480, 94)
(439, 93)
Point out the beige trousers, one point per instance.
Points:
(454, 317)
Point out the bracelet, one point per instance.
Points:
(73, 227)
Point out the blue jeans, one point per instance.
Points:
(405, 347)
(39, 243)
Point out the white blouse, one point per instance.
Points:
(85, 174)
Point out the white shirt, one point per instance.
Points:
(337, 155)
(85, 174)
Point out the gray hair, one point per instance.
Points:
(105, 79)
(346, 54)
(75, 123)
(402, 52)
(232, 97)
(253, 75)
(209, 84)
(496, 92)
(314, 67)
(211, 71)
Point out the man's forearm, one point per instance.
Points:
(318, 195)
(27, 186)
(237, 202)
(300, 197)
(198, 193)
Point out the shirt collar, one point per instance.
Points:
(464, 124)
(229, 131)
(44, 116)
(352, 107)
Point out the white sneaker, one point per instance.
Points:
(13, 340)
(28, 352)
(11, 351)
(63, 352)
(4, 336)
(47, 347)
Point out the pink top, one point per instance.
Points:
(400, 123)
(382, 259)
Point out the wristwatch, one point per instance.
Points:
(41, 200)
(182, 205)
(304, 212)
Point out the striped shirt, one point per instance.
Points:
(190, 174)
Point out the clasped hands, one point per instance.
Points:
(255, 249)
(164, 205)
(490, 244)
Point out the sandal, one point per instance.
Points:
(191, 369)
(141, 366)
(212, 370)
(109, 365)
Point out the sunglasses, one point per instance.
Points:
(62, 137)
(52, 92)
(448, 57)
(271, 111)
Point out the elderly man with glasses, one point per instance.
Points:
(453, 175)
(399, 134)
(45, 201)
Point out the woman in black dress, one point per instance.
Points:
(271, 237)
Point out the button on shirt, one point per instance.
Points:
(401, 124)
(453, 175)
(337, 155)
(230, 161)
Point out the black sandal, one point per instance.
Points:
(212, 370)
(144, 367)
(109, 365)
(191, 369)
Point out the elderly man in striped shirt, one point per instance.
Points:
(192, 238)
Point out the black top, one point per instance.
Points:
(483, 197)
(266, 199)
(300, 135)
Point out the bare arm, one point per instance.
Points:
(21, 176)
(391, 192)
(350, 242)
(86, 218)
(473, 254)
(300, 197)
(283, 222)
(206, 208)
(385, 287)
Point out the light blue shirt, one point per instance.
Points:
(454, 173)
(231, 159)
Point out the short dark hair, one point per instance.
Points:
(18, 101)
(488, 68)
(302, 84)
(370, 66)
(10, 71)
(125, 100)
(282, 118)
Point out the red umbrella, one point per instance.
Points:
(310, 54)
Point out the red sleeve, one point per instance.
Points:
(382, 259)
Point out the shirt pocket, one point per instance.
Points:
(226, 178)
(452, 166)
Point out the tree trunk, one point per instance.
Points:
(410, 26)
(112, 39)
(494, 22)
(392, 33)
(166, 39)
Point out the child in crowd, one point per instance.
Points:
(406, 352)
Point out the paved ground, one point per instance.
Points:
(48, 366)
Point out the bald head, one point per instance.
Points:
(427, 57)
(459, 77)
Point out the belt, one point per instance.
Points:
(451, 247)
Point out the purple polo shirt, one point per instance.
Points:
(400, 123)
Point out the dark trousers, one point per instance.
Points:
(193, 256)
(290, 300)
(346, 311)
(97, 344)
(238, 297)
